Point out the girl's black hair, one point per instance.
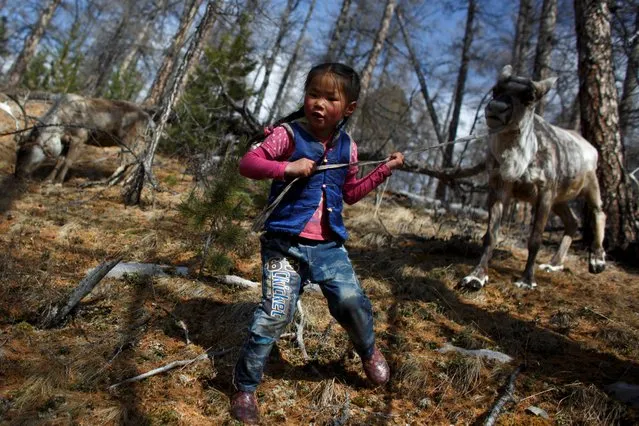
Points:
(347, 78)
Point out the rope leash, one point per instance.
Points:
(259, 221)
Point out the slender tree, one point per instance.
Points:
(371, 61)
(284, 26)
(31, 43)
(545, 41)
(162, 77)
(521, 45)
(600, 119)
(630, 95)
(292, 62)
(337, 35)
(458, 98)
(143, 172)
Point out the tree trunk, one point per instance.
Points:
(521, 46)
(628, 104)
(291, 63)
(545, 45)
(162, 78)
(336, 37)
(19, 66)
(599, 119)
(380, 38)
(143, 172)
(432, 112)
(108, 56)
(284, 25)
(447, 160)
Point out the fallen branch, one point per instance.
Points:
(345, 412)
(57, 313)
(506, 396)
(235, 280)
(482, 353)
(171, 366)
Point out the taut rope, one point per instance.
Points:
(263, 216)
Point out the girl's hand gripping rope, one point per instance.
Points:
(396, 160)
(303, 167)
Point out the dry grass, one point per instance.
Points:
(408, 264)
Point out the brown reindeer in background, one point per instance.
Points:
(534, 161)
(73, 121)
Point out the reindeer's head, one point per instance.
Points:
(38, 146)
(514, 99)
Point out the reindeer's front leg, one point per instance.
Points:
(497, 199)
(542, 210)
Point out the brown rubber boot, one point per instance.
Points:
(244, 408)
(376, 368)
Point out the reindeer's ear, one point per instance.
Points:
(542, 87)
(505, 73)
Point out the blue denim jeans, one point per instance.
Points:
(287, 264)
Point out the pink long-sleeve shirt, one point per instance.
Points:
(269, 159)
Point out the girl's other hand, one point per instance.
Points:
(299, 168)
(396, 160)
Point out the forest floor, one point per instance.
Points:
(575, 334)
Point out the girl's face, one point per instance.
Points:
(325, 105)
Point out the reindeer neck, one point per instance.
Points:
(514, 148)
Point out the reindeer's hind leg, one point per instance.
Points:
(597, 256)
(569, 220)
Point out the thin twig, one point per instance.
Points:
(508, 395)
(170, 366)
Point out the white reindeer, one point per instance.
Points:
(73, 121)
(534, 161)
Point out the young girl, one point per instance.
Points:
(305, 234)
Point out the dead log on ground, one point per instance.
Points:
(57, 313)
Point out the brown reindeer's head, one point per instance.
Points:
(514, 98)
(38, 146)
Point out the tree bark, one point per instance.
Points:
(545, 43)
(630, 94)
(521, 46)
(19, 66)
(162, 78)
(284, 26)
(132, 190)
(447, 160)
(380, 38)
(291, 63)
(600, 120)
(336, 37)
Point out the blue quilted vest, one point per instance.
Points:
(301, 200)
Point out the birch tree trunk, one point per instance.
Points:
(447, 160)
(380, 38)
(629, 98)
(161, 79)
(291, 63)
(600, 120)
(275, 51)
(521, 46)
(19, 66)
(432, 112)
(545, 43)
(336, 37)
(132, 190)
